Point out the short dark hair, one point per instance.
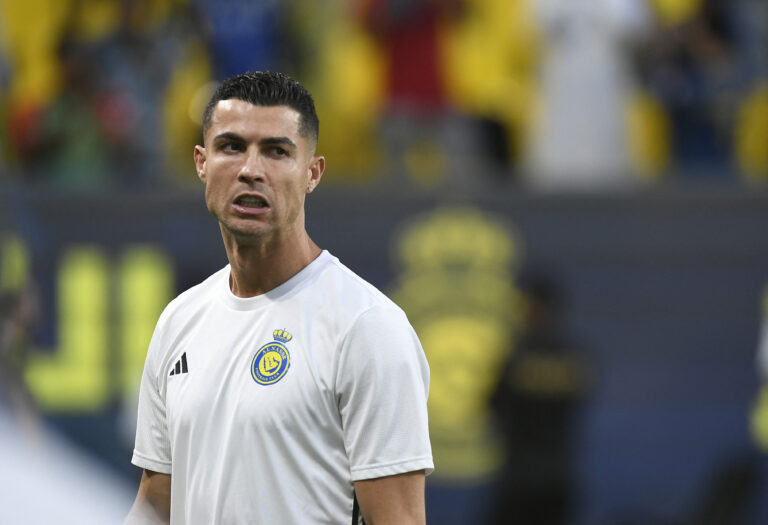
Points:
(268, 88)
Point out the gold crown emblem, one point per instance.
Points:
(282, 335)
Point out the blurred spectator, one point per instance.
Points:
(424, 137)
(189, 85)
(490, 56)
(580, 137)
(244, 35)
(70, 141)
(408, 32)
(31, 32)
(136, 54)
(537, 405)
(343, 68)
(699, 65)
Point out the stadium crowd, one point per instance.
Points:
(550, 94)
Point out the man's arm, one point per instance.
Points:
(153, 501)
(393, 500)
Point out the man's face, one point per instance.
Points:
(257, 169)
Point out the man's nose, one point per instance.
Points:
(252, 169)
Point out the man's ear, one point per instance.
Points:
(315, 170)
(200, 162)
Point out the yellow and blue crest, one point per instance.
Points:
(272, 360)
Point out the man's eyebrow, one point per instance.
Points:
(267, 141)
(230, 136)
(272, 141)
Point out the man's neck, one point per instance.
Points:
(257, 268)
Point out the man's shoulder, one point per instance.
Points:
(354, 291)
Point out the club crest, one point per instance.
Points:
(272, 360)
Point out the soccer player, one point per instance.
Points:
(283, 389)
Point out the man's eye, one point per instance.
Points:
(231, 146)
(279, 152)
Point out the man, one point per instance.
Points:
(283, 389)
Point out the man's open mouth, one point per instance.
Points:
(251, 201)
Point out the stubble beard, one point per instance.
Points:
(244, 236)
(256, 232)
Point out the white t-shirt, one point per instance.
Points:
(266, 409)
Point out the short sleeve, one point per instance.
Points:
(382, 386)
(152, 450)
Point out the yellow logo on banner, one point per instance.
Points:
(457, 286)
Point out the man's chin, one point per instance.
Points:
(244, 235)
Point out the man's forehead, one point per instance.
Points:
(238, 112)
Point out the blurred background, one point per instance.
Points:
(569, 198)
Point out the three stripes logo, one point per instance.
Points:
(181, 366)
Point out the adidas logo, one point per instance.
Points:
(181, 366)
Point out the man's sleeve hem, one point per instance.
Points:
(380, 471)
(162, 467)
